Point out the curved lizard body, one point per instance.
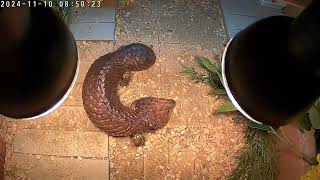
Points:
(101, 101)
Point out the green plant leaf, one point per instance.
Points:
(207, 64)
(263, 127)
(304, 122)
(227, 107)
(314, 115)
(192, 74)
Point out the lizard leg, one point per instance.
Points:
(125, 79)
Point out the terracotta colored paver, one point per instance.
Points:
(46, 167)
(126, 160)
(61, 143)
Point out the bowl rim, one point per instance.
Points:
(59, 102)
(63, 98)
(227, 88)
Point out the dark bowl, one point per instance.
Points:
(38, 61)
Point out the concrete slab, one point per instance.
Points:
(239, 21)
(240, 14)
(126, 160)
(64, 118)
(93, 144)
(44, 167)
(93, 23)
(75, 97)
(156, 156)
(93, 31)
(66, 143)
(89, 15)
(233, 32)
(245, 7)
(92, 50)
(181, 161)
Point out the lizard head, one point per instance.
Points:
(155, 112)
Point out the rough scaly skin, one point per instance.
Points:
(101, 101)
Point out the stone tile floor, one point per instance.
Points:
(196, 143)
(93, 23)
(240, 14)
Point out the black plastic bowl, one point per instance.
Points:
(264, 78)
(38, 61)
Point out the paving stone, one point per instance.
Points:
(43, 167)
(64, 118)
(156, 152)
(88, 15)
(176, 85)
(168, 15)
(39, 142)
(149, 81)
(239, 15)
(138, 24)
(170, 60)
(75, 97)
(174, 56)
(131, 92)
(213, 151)
(93, 23)
(93, 31)
(238, 21)
(174, 88)
(189, 110)
(92, 50)
(139, 88)
(181, 161)
(233, 32)
(246, 7)
(126, 160)
(84, 67)
(66, 143)
(191, 22)
(93, 144)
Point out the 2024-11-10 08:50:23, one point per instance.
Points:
(65, 3)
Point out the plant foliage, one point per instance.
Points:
(259, 161)
(311, 119)
(212, 75)
(263, 127)
(192, 74)
(227, 107)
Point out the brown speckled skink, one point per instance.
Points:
(101, 101)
